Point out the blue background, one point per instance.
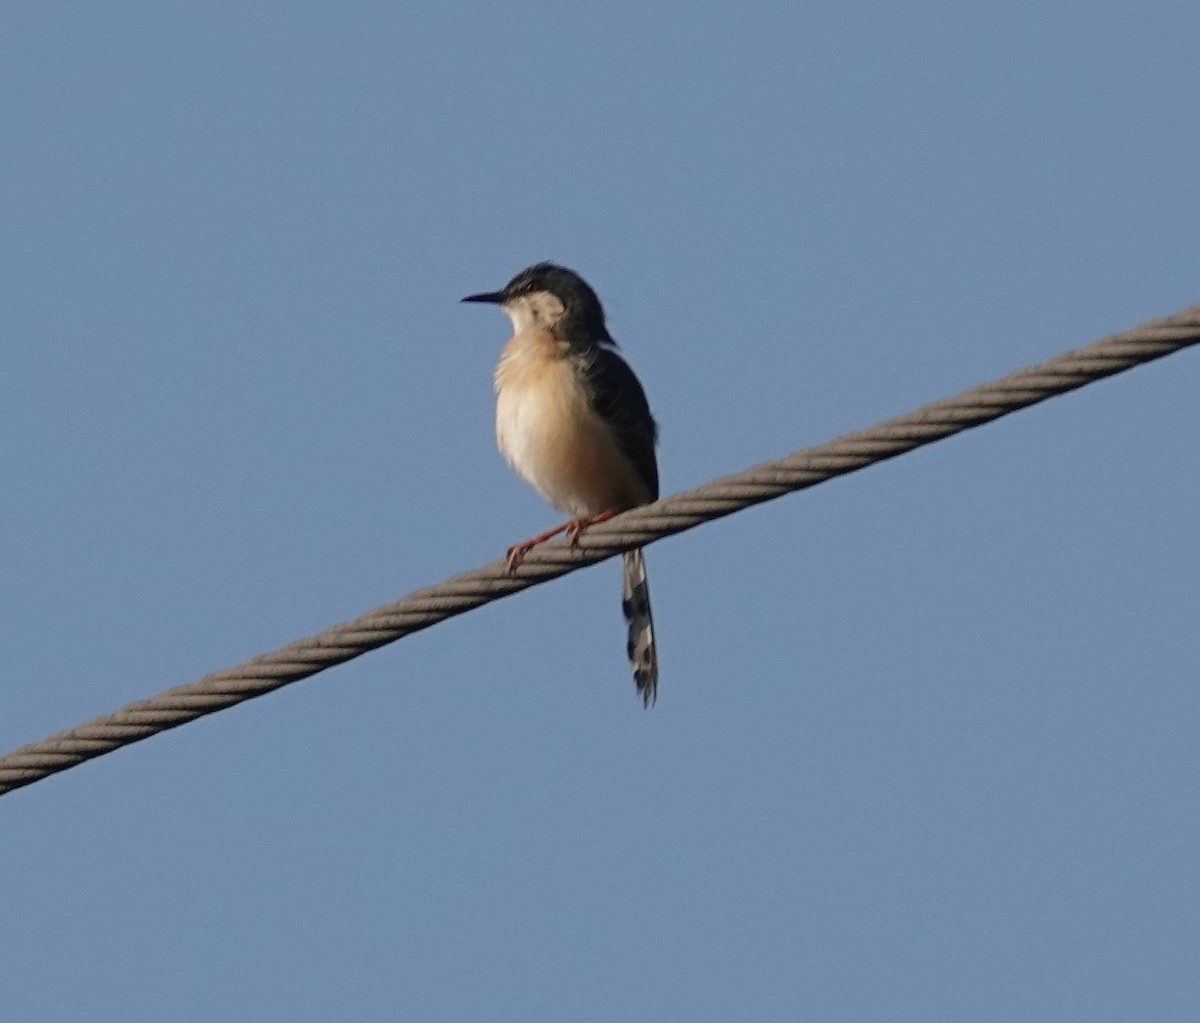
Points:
(926, 747)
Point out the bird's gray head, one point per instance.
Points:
(551, 297)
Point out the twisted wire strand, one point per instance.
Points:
(636, 528)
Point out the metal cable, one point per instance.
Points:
(636, 528)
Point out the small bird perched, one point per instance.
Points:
(573, 421)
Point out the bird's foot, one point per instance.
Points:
(574, 530)
(516, 553)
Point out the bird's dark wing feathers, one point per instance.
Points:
(618, 398)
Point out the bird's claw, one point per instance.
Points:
(515, 555)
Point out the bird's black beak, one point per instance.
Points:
(492, 297)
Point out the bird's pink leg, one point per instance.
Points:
(574, 529)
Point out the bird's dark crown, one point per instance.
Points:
(583, 318)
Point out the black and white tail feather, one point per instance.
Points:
(635, 602)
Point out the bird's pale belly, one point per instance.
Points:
(549, 433)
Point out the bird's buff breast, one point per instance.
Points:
(549, 433)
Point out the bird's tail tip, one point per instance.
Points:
(635, 602)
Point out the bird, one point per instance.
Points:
(573, 421)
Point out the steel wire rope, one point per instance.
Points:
(639, 527)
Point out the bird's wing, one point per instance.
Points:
(617, 396)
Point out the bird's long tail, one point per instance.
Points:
(635, 602)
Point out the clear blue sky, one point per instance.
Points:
(926, 747)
